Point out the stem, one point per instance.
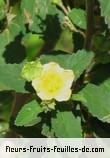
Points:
(68, 22)
(71, 26)
(8, 5)
(90, 23)
(63, 8)
(68, 7)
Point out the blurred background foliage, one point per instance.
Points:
(29, 29)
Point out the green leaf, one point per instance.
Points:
(46, 131)
(10, 78)
(105, 10)
(16, 24)
(80, 61)
(65, 125)
(62, 44)
(14, 27)
(59, 58)
(78, 17)
(96, 99)
(77, 62)
(28, 115)
(2, 9)
(38, 13)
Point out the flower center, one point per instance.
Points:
(52, 83)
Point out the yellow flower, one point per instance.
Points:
(54, 82)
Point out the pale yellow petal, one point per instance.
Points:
(64, 95)
(68, 78)
(41, 91)
(44, 96)
(54, 82)
(52, 66)
(35, 84)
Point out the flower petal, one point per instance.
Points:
(54, 82)
(64, 95)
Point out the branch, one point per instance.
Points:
(8, 4)
(90, 23)
(67, 21)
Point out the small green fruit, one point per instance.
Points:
(33, 44)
